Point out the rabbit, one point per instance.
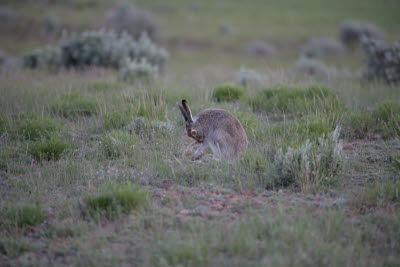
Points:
(215, 128)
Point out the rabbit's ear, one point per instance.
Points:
(187, 109)
(183, 111)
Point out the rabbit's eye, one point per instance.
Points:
(193, 132)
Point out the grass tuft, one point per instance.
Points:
(118, 143)
(227, 93)
(4, 123)
(115, 199)
(34, 127)
(22, 215)
(47, 149)
(117, 119)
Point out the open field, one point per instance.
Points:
(93, 170)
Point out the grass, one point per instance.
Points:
(47, 149)
(116, 199)
(22, 215)
(33, 127)
(287, 201)
(227, 93)
(296, 100)
(74, 104)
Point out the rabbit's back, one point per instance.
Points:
(219, 124)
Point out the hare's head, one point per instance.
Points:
(193, 128)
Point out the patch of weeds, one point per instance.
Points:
(383, 119)
(227, 93)
(118, 143)
(147, 128)
(22, 215)
(294, 134)
(4, 123)
(310, 167)
(103, 85)
(296, 100)
(75, 104)
(395, 160)
(117, 119)
(152, 108)
(257, 166)
(115, 199)
(63, 229)
(378, 193)
(47, 149)
(386, 117)
(11, 248)
(34, 127)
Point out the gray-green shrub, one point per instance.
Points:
(43, 57)
(310, 167)
(118, 143)
(383, 61)
(138, 71)
(127, 17)
(351, 32)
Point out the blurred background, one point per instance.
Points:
(211, 37)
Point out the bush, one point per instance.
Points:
(127, 17)
(318, 47)
(296, 100)
(312, 67)
(383, 62)
(249, 77)
(138, 70)
(43, 57)
(22, 215)
(97, 48)
(47, 149)
(115, 199)
(107, 49)
(259, 48)
(227, 93)
(117, 119)
(351, 32)
(34, 127)
(75, 104)
(309, 167)
(118, 143)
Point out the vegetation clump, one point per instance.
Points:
(118, 143)
(138, 71)
(4, 123)
(127, 17)
(309, 166)
(296, 100)
(75, 104)
(22, 215)
(97, 48)
(227, 93)
(47, 149)
(383, 61)
(34, 127)
(351, 32)
(115, 200)
(117, 119)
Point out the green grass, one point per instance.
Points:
(115, 199)
(34, 126)
(297, 101)
(47, 149)
(303, 206)
(22, 215)
(74, 104)
(227, 93)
